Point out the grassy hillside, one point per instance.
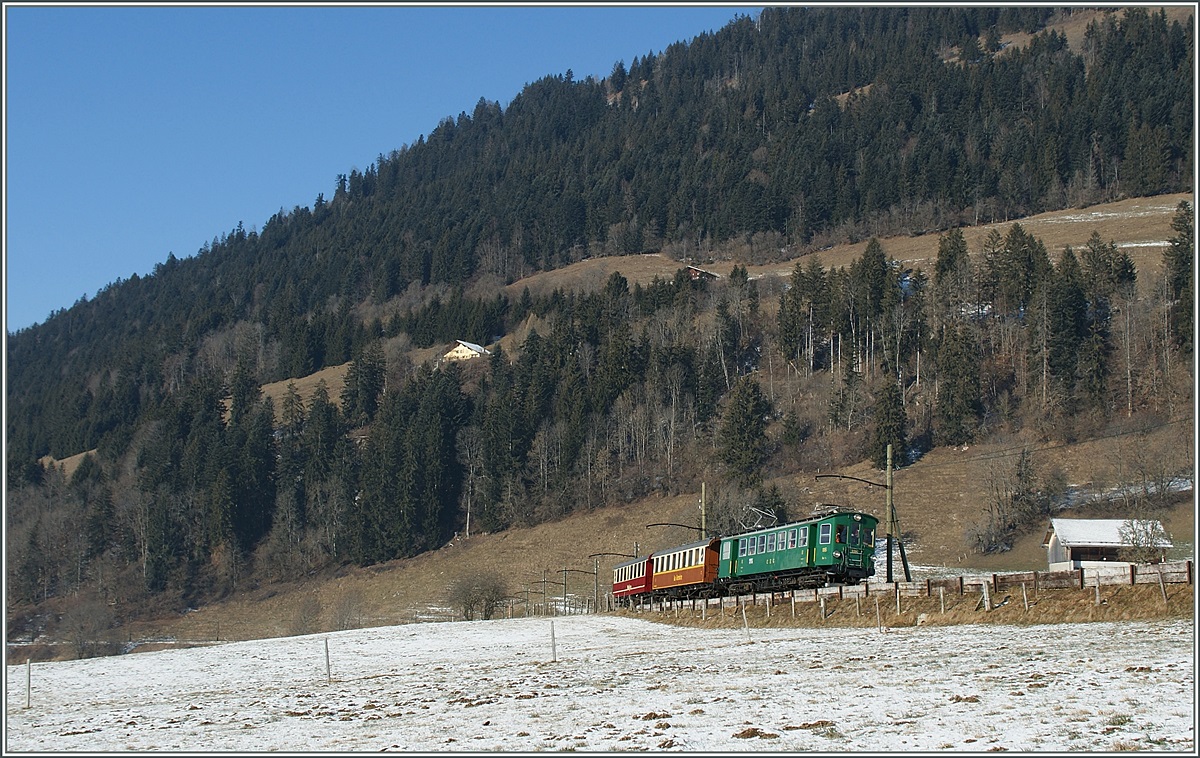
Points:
(1139, 226)
(938, 498)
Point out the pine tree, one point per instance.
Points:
(891, 424)
(1178, 260)
(742, 439)
(958, 404)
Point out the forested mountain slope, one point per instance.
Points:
(774, 137)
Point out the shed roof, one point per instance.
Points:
(1095, 531)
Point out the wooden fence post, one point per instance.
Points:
(942, 597)
(1162, 585)
(1025, 597)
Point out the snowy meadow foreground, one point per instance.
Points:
(607, 683)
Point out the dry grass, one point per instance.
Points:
(1073, 23)
(1140, 226)
(1118, 603)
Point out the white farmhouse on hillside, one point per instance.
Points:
(465, 351)
(1073, 543)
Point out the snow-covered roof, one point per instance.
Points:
(1099, 531)
(473, 347)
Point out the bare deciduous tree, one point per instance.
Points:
(477, 596)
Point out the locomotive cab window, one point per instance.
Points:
(826, 533)
(854, 535)
(840, 538)
(742, 548)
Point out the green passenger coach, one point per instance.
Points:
(837, 548)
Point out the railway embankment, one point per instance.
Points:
(1127, 593)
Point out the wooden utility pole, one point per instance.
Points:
(894, 525)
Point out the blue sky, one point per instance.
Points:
(133, 132)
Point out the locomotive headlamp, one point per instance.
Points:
(837, 553)
(858, 517)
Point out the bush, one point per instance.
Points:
(477, 596)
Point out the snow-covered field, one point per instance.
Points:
(610, 683)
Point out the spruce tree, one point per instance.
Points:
(742, 439)
(958, 404)
(1178, 259)
(891, 424)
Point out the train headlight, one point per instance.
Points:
(837, 553)
(858, 517)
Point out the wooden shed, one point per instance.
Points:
(1082, 543)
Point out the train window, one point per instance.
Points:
(803, 536)
(841, 534)
(869, 537)
(792, 539)
(762, 543)
(826, 533)
(854, 535)
(725, 548)
(742, 548)
(771, 542)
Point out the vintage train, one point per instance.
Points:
(834, 548)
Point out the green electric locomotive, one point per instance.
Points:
(837, 548)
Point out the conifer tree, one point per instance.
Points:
(1181, 283)
(958, 404)
(891, 424)
(742, 439)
